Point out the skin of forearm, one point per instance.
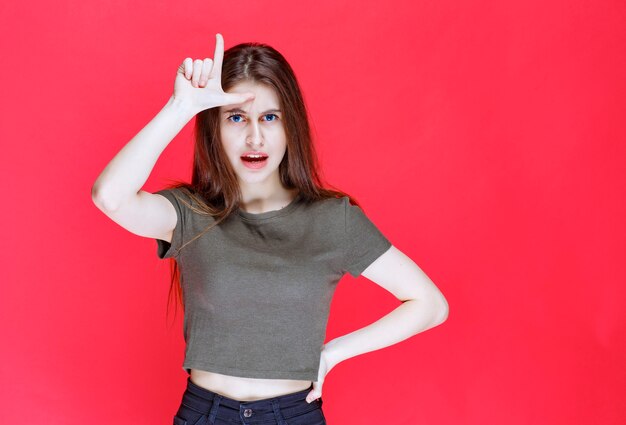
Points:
(409, 318)
(127, 172)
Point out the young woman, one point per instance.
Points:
(258, 244)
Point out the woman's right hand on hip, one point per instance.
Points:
(199, 83)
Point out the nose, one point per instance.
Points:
(254, 136)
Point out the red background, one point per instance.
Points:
(485, 139)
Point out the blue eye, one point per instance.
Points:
(233, 116)
(272, 115)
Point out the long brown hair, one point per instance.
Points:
(214, 185)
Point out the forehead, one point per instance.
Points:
(266, 97)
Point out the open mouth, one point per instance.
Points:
(254, 160)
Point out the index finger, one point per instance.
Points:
(216, 71)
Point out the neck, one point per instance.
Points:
(260, 201)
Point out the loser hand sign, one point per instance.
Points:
(199, 82)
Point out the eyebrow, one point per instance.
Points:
(239, 110)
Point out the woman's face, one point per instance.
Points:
(254, 127)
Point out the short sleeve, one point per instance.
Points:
(170, 249)
(363, 243)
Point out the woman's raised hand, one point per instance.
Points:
(199, 83)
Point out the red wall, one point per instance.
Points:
(485, 139)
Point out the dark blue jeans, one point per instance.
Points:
(201, 406)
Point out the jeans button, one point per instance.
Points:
(247, 413)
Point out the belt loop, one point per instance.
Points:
(277, 413)
(216, 404)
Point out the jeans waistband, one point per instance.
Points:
(283, 400)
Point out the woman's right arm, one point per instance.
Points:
(117, 190)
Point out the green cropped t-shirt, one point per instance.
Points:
(257, 287)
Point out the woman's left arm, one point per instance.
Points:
(423, 307)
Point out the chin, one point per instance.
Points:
(257, 177)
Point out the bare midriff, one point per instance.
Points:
(246, 389)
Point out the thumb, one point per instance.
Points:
(315, 393)
(241, 97)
